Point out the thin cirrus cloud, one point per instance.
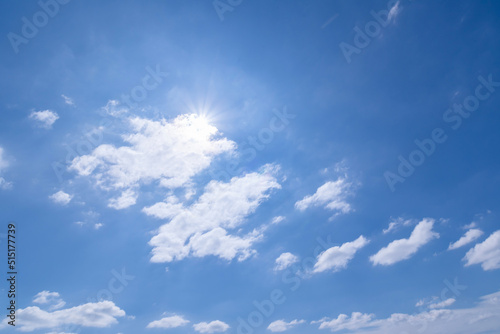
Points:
(332, 195)
(215, 326)
(97, 315)
(3, 165)
(443, 304)
(484, 317)
(469, 236)
(397, 223)
(203, 228)
(403, 249)
(486, 253)
(44, 118)
(173, 321)
(282, 325)
(285, 260)
(337, 257)
(68, 100)
(61, 197)
(167, 152)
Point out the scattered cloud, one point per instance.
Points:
(469, 236)
(394, 12)
(396, 223)
(337, 257)
(486, 253)
(44, 118)
(169, 153)
(282, 325)
(216, 326)
(3, 165)
(99, 315)
(115, 108)
(98, 226)
(469, 226)
(68, 100)
(344, 322)
(126, 199)
(52, 298)
(482, 318)
(201, 229)
(277, 219)
(61, 197)
(443, 304)
(403, 249)
(285, 260)
(332, 195)
(168, 322)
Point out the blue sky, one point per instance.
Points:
(252, 166)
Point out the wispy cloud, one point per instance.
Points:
(215, 326)
(403, 249)
(337, 257)
(332, 195)
(282, 325)
(469, 236)
(486, 253)
(285, 260)
(204, 227)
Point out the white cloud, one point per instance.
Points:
(45, 118)
(282, 325)
(343, 321)
(68, 100)
(337, 258)
(395, 224)
(443, 304)
(482, 318)
(277, 219)
(114, 108)
(168, 322)
(101, 314)
(52, 298)
(98, 226)
(126, 199)
(332, 195)
(394, 12)
(4, 184)
(3, 162)
(285, 260)
(169, 153)
(403, 249)
(165, 210)
(61, 197)
(3, 165)
(486, 253)
(202, 228)
(211, 327)
(469, 226)
(467, 238)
